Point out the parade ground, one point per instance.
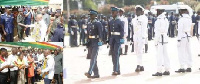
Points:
(76, 64)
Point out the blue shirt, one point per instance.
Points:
(7, 21)
(58, 35)
(27, 19)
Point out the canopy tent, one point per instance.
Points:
(24, 2)
(41, 45)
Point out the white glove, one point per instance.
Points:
(72, 32)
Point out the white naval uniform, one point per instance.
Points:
(140, 28)
(184, 50)
(125, 22)
(161, 39)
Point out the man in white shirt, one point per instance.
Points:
(48, 67)
(25, 58)
(125, 22)
(40, 29)
(140, 27)
(4, 65)
(12, 59)
(184, 48)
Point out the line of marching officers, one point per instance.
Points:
(118, 29)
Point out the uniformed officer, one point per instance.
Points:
(125, 23)
(184, 49)
(8, 24)
(83, 29)
(140, 27)
(116, 35)
(94, 28)
(4, 65)
(105, 28)
(172, 24)
(73, 28)
(161, 39)
(20, 21)
(27, 20)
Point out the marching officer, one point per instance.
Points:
(140, 27)
(20, 21)
(184, 49)
(94, 28)
(8, 24)
(161, 38)
(125, 22)
(73, 28)
(116, 35)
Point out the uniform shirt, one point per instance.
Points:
(4, 64)
(161, 28)
(140, 27)
(105, 26)
(71, 23)
(184, 26)
(11, 60)
(7, 21)
(58, 63)
(20, 19)
(116, 25)
(95, 29)
(125, 22)
(50, 67)
(27, 19)
(58, 35)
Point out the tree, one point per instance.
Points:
(118, 3)
(89, 4)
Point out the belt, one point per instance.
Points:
(93, 37)
(186, 36)
(115, 33)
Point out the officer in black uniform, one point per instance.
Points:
(73, 28)
(94, 29)
(105, 28)
(116, 34)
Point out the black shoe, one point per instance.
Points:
(166, 73)
(188, 70)
(141, 68)
(88, 75)
(157, 74)
(137, 69)
(199, 55)
(180, 71)
(95, 76)
(116, 73)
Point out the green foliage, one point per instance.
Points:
(118, 3)
(89, 4)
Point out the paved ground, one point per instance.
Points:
(76, 64)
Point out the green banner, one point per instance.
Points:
(22, 2)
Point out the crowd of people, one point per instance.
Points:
(119, 30)
(28, 66)
(36, 23)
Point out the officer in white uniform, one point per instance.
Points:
(184, 51)
(161, 40)
(125, 22)
(140, 27)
